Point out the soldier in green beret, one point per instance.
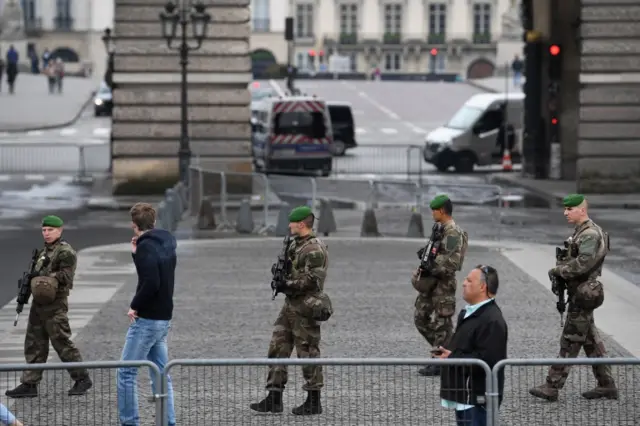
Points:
(579, 268)
(436, 301)
(305, 307)
(48, 320)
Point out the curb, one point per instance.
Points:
(58, 125)
(557, 200)
(480, 86)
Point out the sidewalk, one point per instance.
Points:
(31, 107)
(555, 190)
(495, 84)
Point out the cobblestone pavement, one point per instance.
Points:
(223, 309)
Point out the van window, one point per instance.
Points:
(340, 114)
(491, 120)
(464, 118)
(310, 124)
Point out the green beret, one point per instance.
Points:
(438, 201)
(300, 213)
(53, 221)
(573, 200)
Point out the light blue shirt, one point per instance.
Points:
(468, 310)
(6, 417)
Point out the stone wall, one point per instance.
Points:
(146, 117)
(609, 129)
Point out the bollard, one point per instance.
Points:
(244, 222)
(206, 216)
(326, 221)
(282, 225)
(171, 200)
(369, 224)
(183, 194)
(416, 226)
(162, 215)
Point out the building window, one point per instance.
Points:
(353, 62)
(438, 63)
(29, 10)
(482, 18)
(392, 22)
(301, 60)
(348, 19)
(392, 62)
(64, 17)
(304, 20)
(437, 22)
(260, 16)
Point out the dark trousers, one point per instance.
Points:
(476, 416)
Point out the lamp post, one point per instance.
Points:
(172, 17)
(109, 46)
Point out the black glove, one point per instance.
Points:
(421, 253)
(554, 282)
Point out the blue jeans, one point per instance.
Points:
(476, 416)
(146, 340)
(6, 416)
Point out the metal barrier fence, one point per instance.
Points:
(49, 158)
(382, 159)
(354, 391)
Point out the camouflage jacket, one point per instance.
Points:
(587, 249)
(452, 250)
(62, 264)
(309, 264)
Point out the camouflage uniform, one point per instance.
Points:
(587, 249)
(51, 323)
(436, 301)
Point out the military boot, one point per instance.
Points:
(271, 404)
(429, 371)
(609, 392)
(80, 387)
(545, 391)
(23, 390)
(311, 406)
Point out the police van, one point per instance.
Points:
(292, 134)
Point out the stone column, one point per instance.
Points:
(146, 116)
(608, 144)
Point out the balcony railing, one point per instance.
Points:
(33, 27)
(348, 38)
(436, 38)
(482, 38)
(392, 38)
(63, 23)
(261, 25)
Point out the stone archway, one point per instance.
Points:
(261, 61)
(480, 68)
(67, 54)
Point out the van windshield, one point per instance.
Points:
(310, 124)
(465, 118)
(340, 114)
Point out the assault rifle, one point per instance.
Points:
(559, 285)
(428, 253)
(24, 285)
(281, 268)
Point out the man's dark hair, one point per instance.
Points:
(143, 215)
(309, 221)
(447, 207)
(490, 278)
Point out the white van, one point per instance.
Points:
(471, 136)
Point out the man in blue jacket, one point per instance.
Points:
(150, 312)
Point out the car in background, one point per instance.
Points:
(103, 102)
(342, 123)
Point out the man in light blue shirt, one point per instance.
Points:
(481, 333)
(7, 417)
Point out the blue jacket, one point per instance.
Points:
(12, 56)
(155, 260)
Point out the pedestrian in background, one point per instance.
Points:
(7, 417)
(517, 66)
(481, 333)
(150, 312)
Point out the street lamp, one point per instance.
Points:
(109, 45)
(172, 17)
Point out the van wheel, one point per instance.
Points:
(339, 148)
(465, 162)
(442, 166)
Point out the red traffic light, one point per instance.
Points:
(554, 121)
(312, 53)
(434, 51)
(554, 49)
(321, 53)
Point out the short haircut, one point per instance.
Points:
(143, 215)
(489, 275)
(309, 221)
(447, 207)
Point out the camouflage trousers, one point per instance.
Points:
(580, 332)
(293, 330)
(50, 323)
(433, 318)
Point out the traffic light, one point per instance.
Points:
(434, 52)
(321, 56)
(555, 62)
(312, 57)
